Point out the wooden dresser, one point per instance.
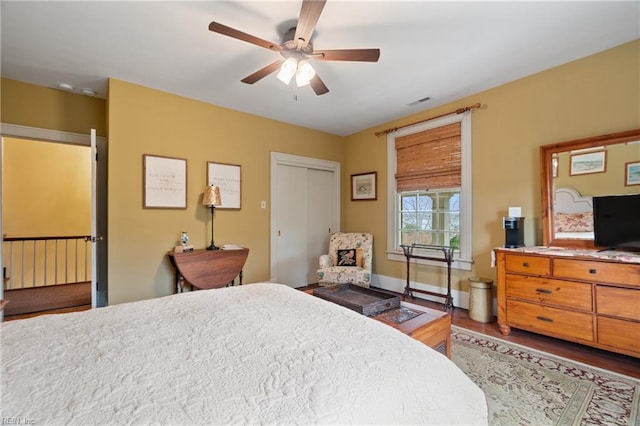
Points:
(583, 296)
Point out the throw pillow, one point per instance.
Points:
(349, 257)
(574, 222)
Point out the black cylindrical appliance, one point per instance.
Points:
(513, 231)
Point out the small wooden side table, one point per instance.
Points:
(206, 269)
(429, 326)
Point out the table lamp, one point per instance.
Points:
(211, 198)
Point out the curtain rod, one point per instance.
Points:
(457, 111)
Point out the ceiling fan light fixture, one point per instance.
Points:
(305, 73)
(296, 47)
(287, 70)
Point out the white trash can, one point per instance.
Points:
(481, 299)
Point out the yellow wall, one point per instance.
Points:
(42, 195)
(146, 121)
(596, 95)
(47, 108)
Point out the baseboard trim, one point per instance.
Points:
(460, 298)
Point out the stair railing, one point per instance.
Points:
(43, 261)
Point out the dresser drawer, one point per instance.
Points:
(524, 264)
(555, 322)
(550, 291)
(593, 271)
(619, 302)
(619, 334)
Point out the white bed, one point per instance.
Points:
(573, 214)
(255, 354)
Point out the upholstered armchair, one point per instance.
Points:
(348, 261)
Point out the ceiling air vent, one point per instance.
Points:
(419, 101)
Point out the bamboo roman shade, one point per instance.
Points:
(429, 159)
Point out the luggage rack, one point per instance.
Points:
(447, 251)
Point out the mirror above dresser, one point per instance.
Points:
(573, 172)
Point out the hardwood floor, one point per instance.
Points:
(618, 363)
(51, 299)
(50, 311)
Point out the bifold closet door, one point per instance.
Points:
(320, 223)
(303, 215)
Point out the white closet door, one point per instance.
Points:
(291, 226)
(305, 208)
(320, 200)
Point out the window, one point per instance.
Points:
(429, 181)
(430, 217)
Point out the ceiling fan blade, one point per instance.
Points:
(318, 85)
(232, 32)
(262, 72)
(309, 15)
(359, 55)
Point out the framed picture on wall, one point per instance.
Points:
(364, 186)
(227, 177)
(164, 182)
(632, 173)
(587, 163)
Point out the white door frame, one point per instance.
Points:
(48, 135)
(278, 159)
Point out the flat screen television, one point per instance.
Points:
(616, 221)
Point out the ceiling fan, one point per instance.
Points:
(296, 48)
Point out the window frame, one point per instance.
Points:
(463, 258)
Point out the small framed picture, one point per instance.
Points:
(632, 173)
(228, 178)
(587, 163)
(364, 186)
(164, 182)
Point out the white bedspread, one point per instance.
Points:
(255, 354)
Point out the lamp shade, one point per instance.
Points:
(287, 70)
(305, 73)
(211, 196)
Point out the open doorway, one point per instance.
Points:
(46, 223)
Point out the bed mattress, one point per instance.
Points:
(255, 354)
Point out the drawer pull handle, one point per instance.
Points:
(592, 271)
(525, 264)
(545, 319)
(543, 290)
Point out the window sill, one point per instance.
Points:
(459, 264)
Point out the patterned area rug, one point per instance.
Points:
(528, 387)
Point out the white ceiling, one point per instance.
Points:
(442, 50)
